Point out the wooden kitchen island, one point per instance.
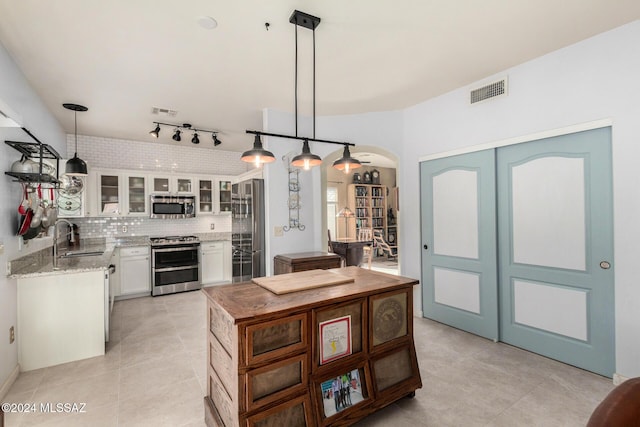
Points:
(324, 356)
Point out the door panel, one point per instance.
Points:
(555, 226)
(459, 276)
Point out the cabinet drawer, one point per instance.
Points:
(294, 413)
(210, 246)
(274, 339)
(275, 381)
(134, 251)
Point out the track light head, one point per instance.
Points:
(176, 136)
(195, 139)
(216, 141)
(154, 133)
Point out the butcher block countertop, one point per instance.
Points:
(247, 300)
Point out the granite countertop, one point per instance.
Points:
(41, 263)
(213, 237)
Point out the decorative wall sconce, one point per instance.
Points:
(178, 129)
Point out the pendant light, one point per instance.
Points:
(257, 154)
(76, 166)
(306, 159)
(346, 163)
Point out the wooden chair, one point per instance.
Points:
(380, 243)
(367, 251)
(343, 261)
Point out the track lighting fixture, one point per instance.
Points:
(179, 128)
(305, 159)
(154, 133)
(76, 166)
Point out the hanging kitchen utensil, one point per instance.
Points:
(32, 233)
(25, 222)
(39, 210)
(24, 203)
(71, 185)
(50, 215)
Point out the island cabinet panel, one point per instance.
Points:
(325, 356)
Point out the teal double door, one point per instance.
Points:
(518, 246)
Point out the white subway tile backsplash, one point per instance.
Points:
(115, 153)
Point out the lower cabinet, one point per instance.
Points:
(215, 262)
(133, 270)
(324, 357)
(61, 318)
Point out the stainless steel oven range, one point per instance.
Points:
(175, 264)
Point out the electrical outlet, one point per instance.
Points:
(278, 231)
(213, 226)
(12, 334)
(124, 228)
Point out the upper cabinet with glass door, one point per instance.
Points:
(224, 195)
(171, 185)
(205, 196)
(109, 194)
(137, 200)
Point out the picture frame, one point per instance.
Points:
(339, 393)
(335, 339)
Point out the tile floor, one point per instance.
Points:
(153, 374)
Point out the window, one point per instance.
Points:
(332, 210)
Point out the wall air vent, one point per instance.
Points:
(491, 90)
(163, 112)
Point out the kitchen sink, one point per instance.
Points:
(79, 254)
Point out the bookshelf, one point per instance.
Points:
(369, 204)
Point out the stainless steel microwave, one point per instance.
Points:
(172, 207)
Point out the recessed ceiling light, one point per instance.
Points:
(207, 22)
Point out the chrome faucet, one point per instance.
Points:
(55, 238)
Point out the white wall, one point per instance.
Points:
(591, 80)
(16, 95)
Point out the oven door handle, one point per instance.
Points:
(186, 267)
(187, 248)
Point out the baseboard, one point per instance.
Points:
(13, 376)
(619, 379)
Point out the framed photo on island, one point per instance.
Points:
(340, 392)
(335, 339)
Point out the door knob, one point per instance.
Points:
(425, 247)
(605, 265)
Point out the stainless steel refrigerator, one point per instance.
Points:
(248, 234)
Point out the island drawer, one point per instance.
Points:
(275, 339)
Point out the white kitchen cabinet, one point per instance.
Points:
(110, 193)
(61, 318)
(169, 184)
(134, 269)
(206, 196)
(137, 202)
(215, 262)
(223, 194)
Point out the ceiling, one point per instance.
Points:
(120, 58)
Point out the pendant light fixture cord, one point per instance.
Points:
(314, 82)
(75, 127)
(296, 78)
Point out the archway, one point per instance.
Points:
(337, 183)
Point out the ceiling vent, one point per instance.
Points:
(491, 90)
(163, 112)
